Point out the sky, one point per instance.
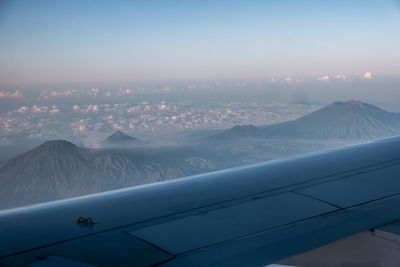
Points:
(83, 41)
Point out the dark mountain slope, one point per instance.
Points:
(59, 169)
(48, 170)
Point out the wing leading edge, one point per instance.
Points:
(252, 215)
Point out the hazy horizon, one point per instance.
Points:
(74, 41)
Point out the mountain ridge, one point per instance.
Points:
(58, 169)
(349, 120)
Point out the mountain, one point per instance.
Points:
(346, 121)
(48, 171)
(59, 169)
(351, 120)
(238, 131)
(120, 139)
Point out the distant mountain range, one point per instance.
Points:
(350, 121)
(59, 169)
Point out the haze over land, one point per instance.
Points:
(59, 169)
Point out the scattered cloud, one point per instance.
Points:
(89, 108)
(367, 75)
(340, 77)
(22, 110)
(54, 110)
(10, 95)
(63, 93)
(162, 106)
(37, 109)
(133, 109)
(94, 91)
(77, 120)
(46, 95)
(324, 78)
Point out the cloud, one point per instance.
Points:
(166, 89)
(22, 109)
(9, 95)
(94, 91)
(132, 109)
(126, 91)
(37, 109)
(367, 75)
(54, 110)
(64, 93)
(162, 106)
(117, 127)
(341, 77)
(323, 78)
(53, 93)
(90, 108)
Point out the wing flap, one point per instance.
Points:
(281, 242)
(113, 248)
(359, 188)
(393, 228)
(232, 222)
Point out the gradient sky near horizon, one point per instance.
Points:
(80, 41)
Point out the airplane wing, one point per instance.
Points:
(248, 216)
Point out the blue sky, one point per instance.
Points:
(73, 41)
